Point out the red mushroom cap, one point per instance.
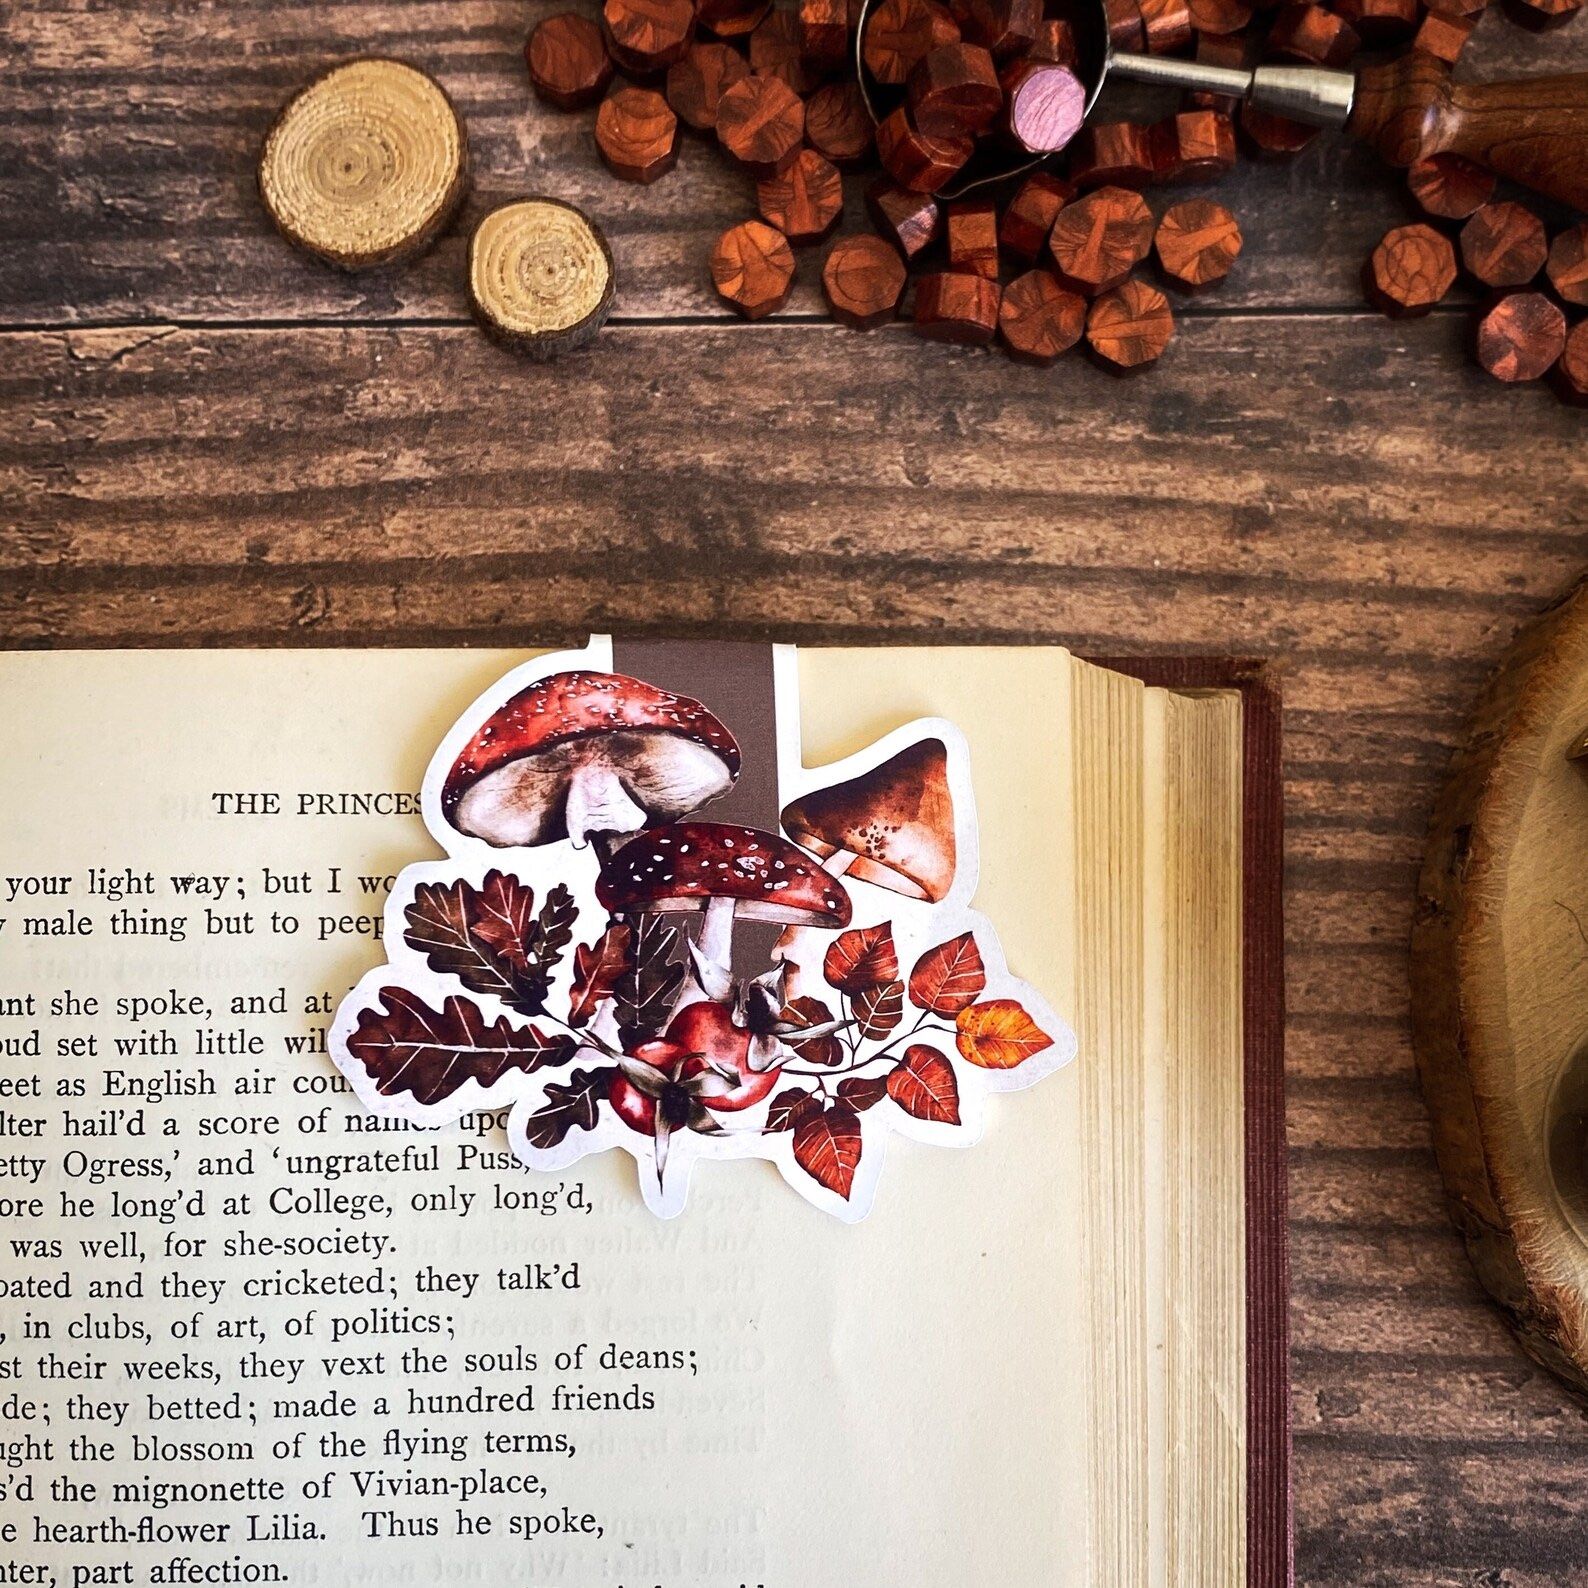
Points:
(510, 783)
(682, 867)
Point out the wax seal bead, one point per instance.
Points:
(1044, 106)
(1310, 33)
(1166, 25)
(1443, 35)
(1197, 242)
(837, 124)
(696, 84)
(540, 277)
(901, 33)
(1571, 373)
(1520, 336)
(1112, 154)
(1410, 271)
(955, 308)
(761, 123)
(1006, 28)
(1567, 265)
(955, 92)
(732, 19)
(1038, 319)
(972, 230)
(775, 51)
(366, 165)
(1128, 328)
(806, 201)
(1539, 16)
(646, 36)
(1274, 137)
(1503, 245)
(1126, 31)
(824, 32)
(1381, 22)
(636, 133)
(1030, 214)
(863, 281)
(1449, 187)
(1054, 42)
(908, 220)
(568, 62)
(1218, 18)
(1194, 146)
(752, 268)
(1098, 240)
(916, 161)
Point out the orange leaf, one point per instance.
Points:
(827, 1148)
(861, 958)
(949, 977)
(998, 1035)
(923, 1084)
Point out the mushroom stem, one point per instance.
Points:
(789, 940)
(598, 803)
(716, 931)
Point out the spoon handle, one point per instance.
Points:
(1313, 94)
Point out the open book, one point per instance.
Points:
(260, 1328)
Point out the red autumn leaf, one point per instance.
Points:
(431, 1053)
(862, 957)
(949, 977)
(574, 1106)
(790, 1108)
(879, 1009)
(923, 1085)
(863, 1092)
(998, 1035)
(596, 969)
(827, 1148)
(811, 1012)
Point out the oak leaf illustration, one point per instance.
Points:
(862, 957)
(923, 1085)
(827, 1147)
(949, 977)
(649, 980)
(998, 1035)
(596, 968)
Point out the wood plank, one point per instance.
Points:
(131, 132)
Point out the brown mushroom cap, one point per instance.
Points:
(897, 820)
(685, 866)
(510, 784)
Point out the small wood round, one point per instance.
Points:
(1044, 106)
(1218, 18)
(953, 308)
(752, 268)
(1097, 241)
(540, 276)
(1112, 154)
(1410, 271)
(954, 92)
(568, 62)
(647, 36)
(1166, 26)
(1444, 36)
(863, 280)
(837, 124)
(806, 202)
(1197, 242)
(1005, 28)
(1448, 187)
(916, 161)
(900, 33)
(1274, 137)
(1310, 34)
(696, 84)
(1567, 265)
(1129, 328)
(776, 51)
(1194, 146)
(636, 133)
(972, 231)
(366, 165)
(1039, 319)
(1520, 336)
(1023, 231)
(908, 220)
(1571, 373)
(761, 124)
(1503, 244)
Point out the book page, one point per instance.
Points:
(254, 1334)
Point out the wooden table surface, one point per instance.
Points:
(205, 439)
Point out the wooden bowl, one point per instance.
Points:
(1500, 989)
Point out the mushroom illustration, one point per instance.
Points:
(584, 754)
(727, 872)
(892, 826)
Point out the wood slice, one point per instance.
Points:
(366, 165)
(1500, 990)
(540, 276)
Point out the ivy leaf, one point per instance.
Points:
(879, 1009)
(649, 981)
(998, 1035)
(861, 1092)
(790, 1108)
(479, 935)
(862, 957)
(596, 968)
(949, 977)
(811, 1012)
(827, 1148)
(431, 1053)
(922, 1083)
(574, 1106)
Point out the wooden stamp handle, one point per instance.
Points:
(1534, 130)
